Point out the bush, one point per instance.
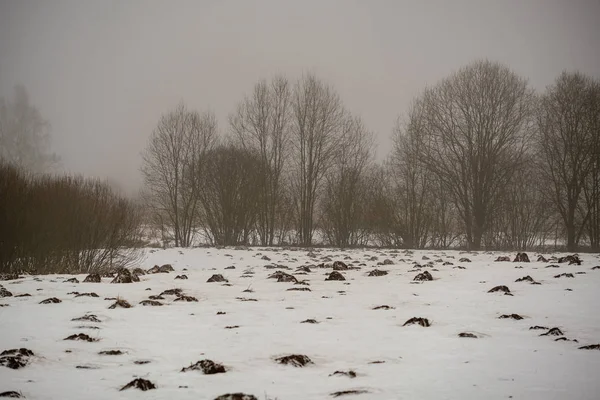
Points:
(64, 224)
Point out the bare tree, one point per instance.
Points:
(566, 138)
(24, 134)
(592, 187)
(412, 181)
(262, 124)
(172, 164)
(317, 118)
(345, 196)
(475, 133)
(231, 193)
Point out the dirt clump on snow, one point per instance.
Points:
(181, 276)
(110, 352)
(208, 367)
(15, 358)
(81, 337)
(139, 383)
(467, 335)
(516, 317)
(565, 275)
(120, 303)
(296, 360)
(349, 373)
(91, 294)
(11, 394)
(93, 278)
(87, 317)
(51, 300)
(236, 396)
(553, 332)
(125, 276)
(500, 288)
(423, 276)
(340, 266)
(424, 322)
(378, 272)
(347, 392)
(521, 257)
(4, 293)
(572, 259)
(590, 347)
(503, 259)
(335, 276)
(150, 303)
(186, 298)
(525, 279)
(217, 278)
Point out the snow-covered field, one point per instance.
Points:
(391, 361)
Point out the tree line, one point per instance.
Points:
(479, 161)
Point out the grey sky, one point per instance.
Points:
(102, 72)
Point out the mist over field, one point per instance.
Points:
(275, 200)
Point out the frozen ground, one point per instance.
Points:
(508, 360)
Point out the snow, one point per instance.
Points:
(507, 360)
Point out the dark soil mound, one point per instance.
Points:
(525, 279)
(139, 383)
(387, 261)
(464, 259)
(181, 277)
(591, 347)
(350, 373)
(340, 266)
(236, 396)
(230, 267)
(296, 360)
(565, 275)
(122, 303)
(347, 392)
(15, 358)
(93, 278)
(172, 292)
(216, 278)
(88, 317)
(521, 257)
(163, 269)
(423, 276)
(186, 298)
(502, 258)
(138, 272)
(71, 280)
(150, 303)
(596, 267)
(125, 276)
(553, 332)
(424, 322)
(335, 276)
(378, 272)
(511, 316)
(110, 352)
(82, 337)
(11, 394)
(92, 294)
(207, 367)
(383, 307)
(309, 321)
(8, 277)
(542, 259)
(51, 300)
(501, 288)
(467, 335)
(303, 269)
(5, 293)
(299, 289)
(23, 295)
(537, 328)
(156, 297)
(571, 259)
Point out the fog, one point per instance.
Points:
(102, 72)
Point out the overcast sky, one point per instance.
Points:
(102, 72)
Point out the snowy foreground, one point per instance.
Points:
(391, 361)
